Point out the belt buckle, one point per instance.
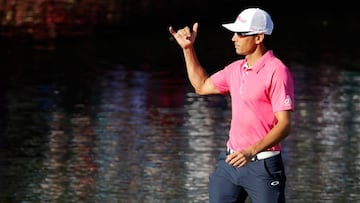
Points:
(228, 151)
(255, 158)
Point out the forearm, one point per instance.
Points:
(196, 73)
(280, 131)
(198, 77)
(274, 137)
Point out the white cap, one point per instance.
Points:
(252, 21)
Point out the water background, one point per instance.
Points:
(115, 120)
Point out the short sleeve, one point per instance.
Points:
(220, 82)
(282, 90)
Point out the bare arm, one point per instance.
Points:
(276, 135)
(196, 73)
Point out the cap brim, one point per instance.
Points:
(235, 27)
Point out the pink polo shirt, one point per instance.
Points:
(256, 94)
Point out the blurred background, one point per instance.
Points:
(95, 105)
(300, 25)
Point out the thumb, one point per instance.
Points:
(171, 30)
(195, 27)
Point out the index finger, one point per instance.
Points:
(230, 157)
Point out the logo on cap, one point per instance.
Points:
(241, 19)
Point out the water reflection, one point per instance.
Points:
(323, 153)
(130, 134)
(205, 140)
(140, 143)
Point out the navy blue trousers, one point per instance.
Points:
(263, 181)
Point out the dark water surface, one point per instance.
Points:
(91, 130)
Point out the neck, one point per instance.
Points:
(256, 55)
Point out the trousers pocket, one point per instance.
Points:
(275, 168)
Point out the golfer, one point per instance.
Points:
(262, 94)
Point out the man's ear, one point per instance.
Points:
(259, 38)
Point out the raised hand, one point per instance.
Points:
(185, 37)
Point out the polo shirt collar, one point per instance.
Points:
(261, 62)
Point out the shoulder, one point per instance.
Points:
(275, 70)
(276, 65)
(234, 65)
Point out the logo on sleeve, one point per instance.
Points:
(287, 101)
